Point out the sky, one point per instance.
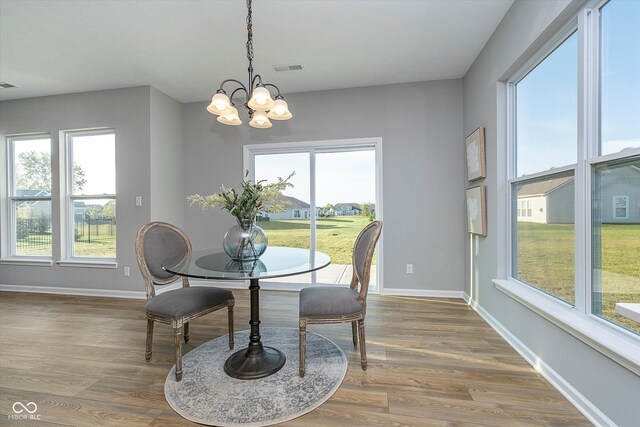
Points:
(341, 177)
(95, 154)
(547, 98)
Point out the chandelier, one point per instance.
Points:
(261, 106)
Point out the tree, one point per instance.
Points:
(109, 210)
(368, 211)
(327, 211)
(34, 172)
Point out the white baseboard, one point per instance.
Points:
(577, 399)
(227, 284)
(425, 293)
(75, 291)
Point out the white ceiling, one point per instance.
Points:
(185, 48)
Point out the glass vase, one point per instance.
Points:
(245, 241)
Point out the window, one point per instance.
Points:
(30, 196)
(91, 189)
(524, 209)
(616, 170)
(546, 141)
(296, 213)
(574, 172)
(620, 207)
(329, 175)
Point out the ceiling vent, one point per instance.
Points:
(296, 67)
(5, 85)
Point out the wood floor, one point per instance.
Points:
(431, 362)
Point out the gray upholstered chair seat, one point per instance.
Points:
(329, 301)
(156, 242)
(336, 304)
(184, 302)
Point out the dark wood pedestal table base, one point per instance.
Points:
(257, 360)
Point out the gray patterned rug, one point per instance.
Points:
(207, 395)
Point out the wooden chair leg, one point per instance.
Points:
(177, 336)
(186, 332)
(363, 345)
(354, 332)
(230, 305)
(303, 345)
(147, 353)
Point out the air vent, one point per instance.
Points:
(5, 85)
(296, 67)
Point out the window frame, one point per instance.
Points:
(330, 146)
(613, 341)
(12, 199)
(68, 225)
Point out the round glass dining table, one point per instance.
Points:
(255, 361)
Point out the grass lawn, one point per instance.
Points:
(102, 244)
(546, 260)
(335, 236)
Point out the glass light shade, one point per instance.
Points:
(260, 120)
(280, 110)
(260, 99)
(230, 118)
(220, 104)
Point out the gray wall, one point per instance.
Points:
(166, 150)
(166, 159)
(128, 112)
(612, 388)
(423, 169)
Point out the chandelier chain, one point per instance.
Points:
(250, 41)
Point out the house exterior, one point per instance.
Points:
(294, 209)
(35, 208)
(347, 209)
(551, 201)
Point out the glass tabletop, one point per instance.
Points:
(275, 262)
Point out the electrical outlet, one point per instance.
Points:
(409, 268)
(127, 272)
(138, 200)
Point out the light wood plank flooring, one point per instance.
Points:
(432, 362)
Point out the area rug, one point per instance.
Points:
(207, 395)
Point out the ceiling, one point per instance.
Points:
(185, 48)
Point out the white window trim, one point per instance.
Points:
(355, 144)
(7, 224)
(615, 343)
(68, 216)
(609, 339)
(626, 207)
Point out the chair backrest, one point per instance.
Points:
(156, 242)
(363, 250)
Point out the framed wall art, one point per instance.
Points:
(477, 210)
(476, 168)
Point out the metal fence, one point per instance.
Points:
(93, 229)
(33, 233)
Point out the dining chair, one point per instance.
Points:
(156, 242)
(337, 304)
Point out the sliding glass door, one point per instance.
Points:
(336, 193)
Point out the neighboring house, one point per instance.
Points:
(347, 209)
(552, 201)
(35, 208)
(294, 209)
(545, 202)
